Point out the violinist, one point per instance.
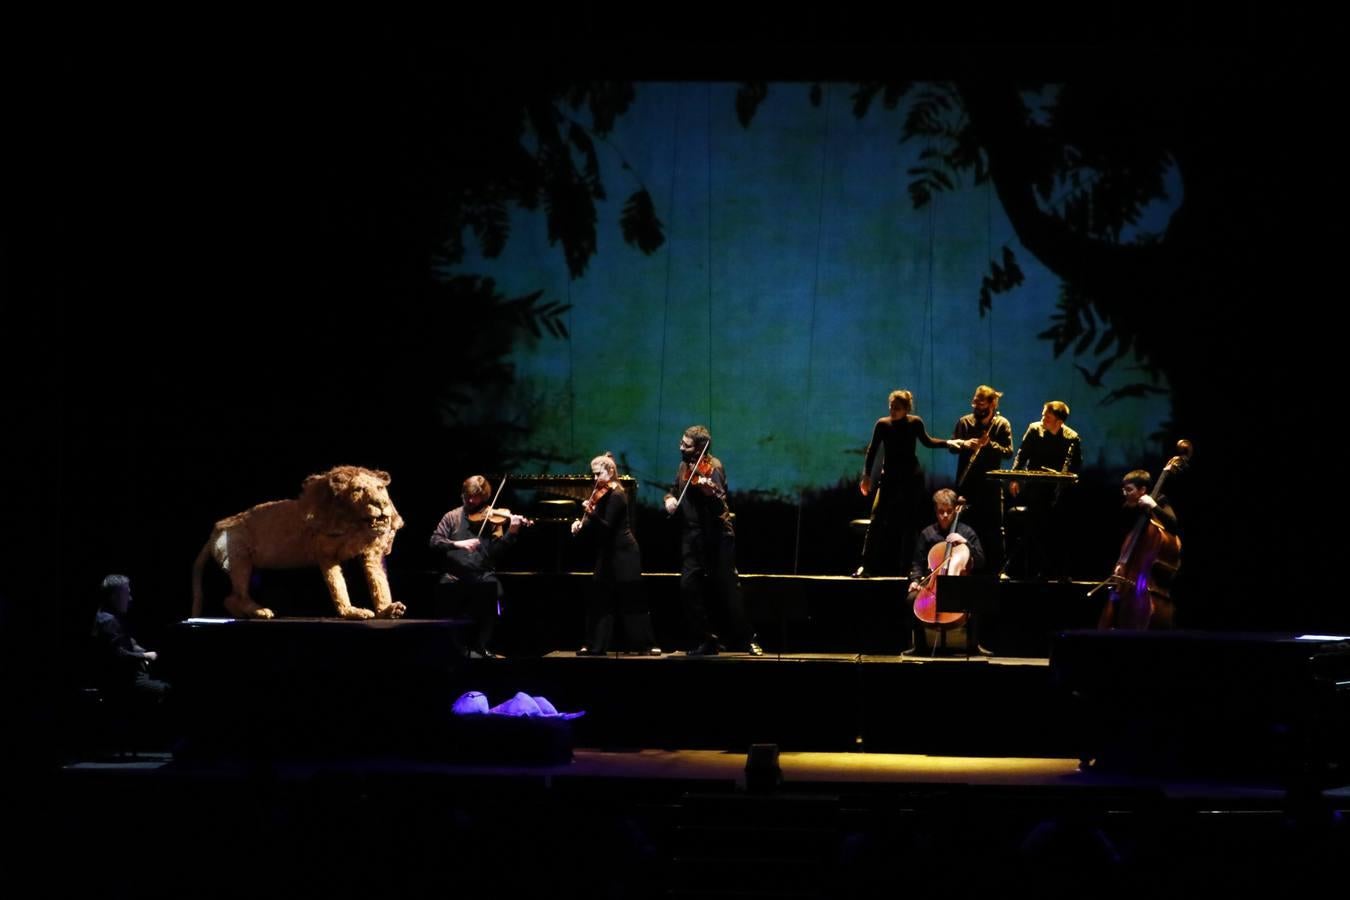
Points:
(984, 439)
(469, 541)
(895, 504)
(944, 506)
(617, 584)
(708, 547)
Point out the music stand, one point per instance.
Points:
(970, 594)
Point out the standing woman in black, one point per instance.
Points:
(895, 505)
(617, 585)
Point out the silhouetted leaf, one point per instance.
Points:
(491, 224)
(894, 93)
(608, 101)
(641, 227)
(1086, 340)
(748, 98)
(1001, 278)
(582, 141)
(1138, 389)
(863, 95)
(571, 218)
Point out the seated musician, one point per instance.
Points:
(942, 531)
(1047, 445)
(469, 548)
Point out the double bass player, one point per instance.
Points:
(1141, 582)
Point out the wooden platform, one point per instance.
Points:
(797, 613)
(1133, 701)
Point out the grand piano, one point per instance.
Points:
(555, 499)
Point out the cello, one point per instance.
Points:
(943, 559)
(1140, 584)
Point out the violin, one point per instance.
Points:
(1140, 584)
(588, 505)
(700, 475)
(601, 489)
(943, 559)
(497, 517)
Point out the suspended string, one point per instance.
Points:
(571, 373)
(931, 336)
(815, 294)
(709, 250)
(925, 340)
(989, 254)
(670, 230)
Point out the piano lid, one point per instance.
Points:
(1030, 475)
(556, 498)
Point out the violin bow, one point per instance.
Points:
(692, 472)
(487, 516)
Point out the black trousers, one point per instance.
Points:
(888, 547)
(476, 598)
(708, 577)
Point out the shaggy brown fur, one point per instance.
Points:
(341, 514)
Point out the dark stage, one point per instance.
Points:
(824, 775)
(504, 243)
(328, 747)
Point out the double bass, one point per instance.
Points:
(943, 559)
(1140, 584)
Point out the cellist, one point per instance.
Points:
(1155, 583)
(944, 506)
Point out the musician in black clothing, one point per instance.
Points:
(122, 666)
(708, 546)
(895, 504)
(1134, 487)
(947, 529)
(617, 585)
(1048, 445)
(469, 549)
(984, 440)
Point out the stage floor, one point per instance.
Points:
(802, 771)
(850, 658)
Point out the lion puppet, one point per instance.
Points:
(341, 514)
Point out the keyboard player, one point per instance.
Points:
(1051, 445)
